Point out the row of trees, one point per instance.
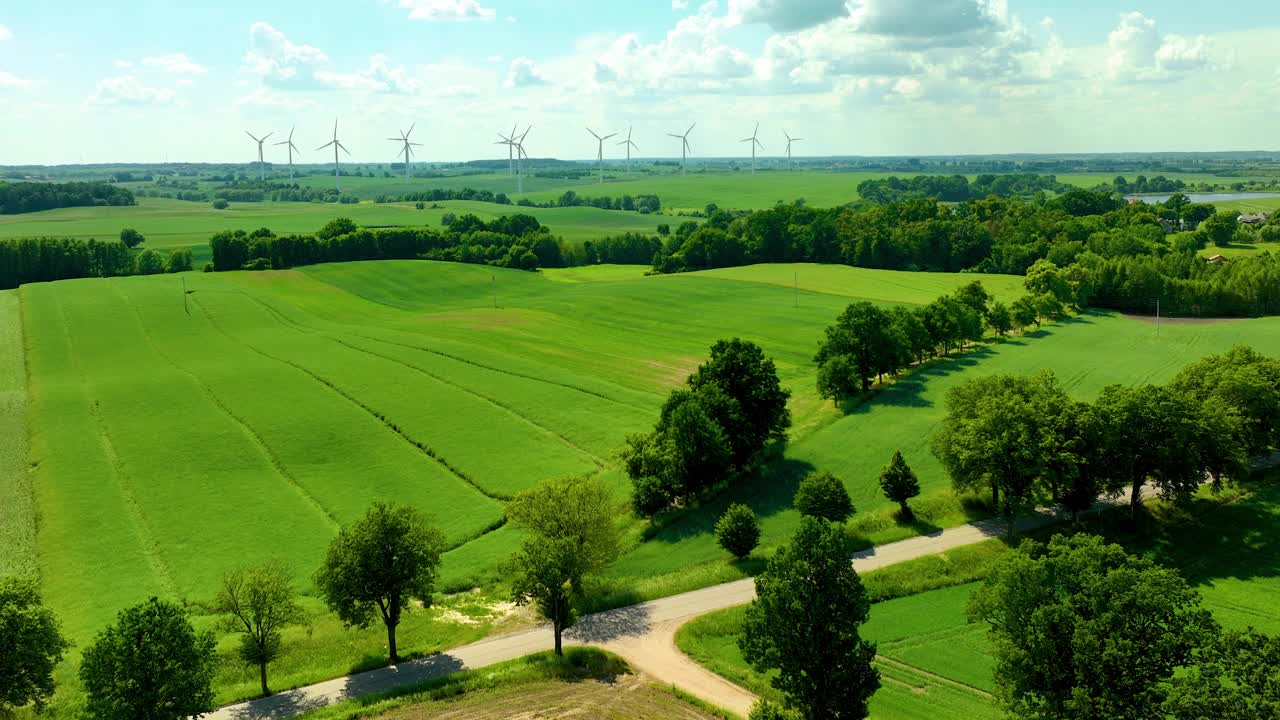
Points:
(1023, 439)
(868, 342)
(151, 662)
(958, 188)
(711, 432)
(644, 204)
(26, 260)
(26, 197)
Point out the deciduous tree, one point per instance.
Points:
(900, 484)
(823, 495)
(382, 561)
(31, 645)
(738, 531)
(259, 603)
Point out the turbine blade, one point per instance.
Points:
(246, 132)
(686, 132)
(411, 127)
(326, 145)
(606, 137)
(264, 137)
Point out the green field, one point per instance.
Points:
(169, 224)
(310, 393)
(934, 664)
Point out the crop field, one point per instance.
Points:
(169, 224)
(312, 392)
(934, 664)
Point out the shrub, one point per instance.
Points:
(448, 219)
(221, 204)
(208, 267)
(258, 264)
(765, 710)
(131, 238)
(150, 262)
(823, 495)
(738, 531)
(179, 261)
(420, 206)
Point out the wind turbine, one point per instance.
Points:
(789, 141)
(262, 167)
(337, 145)
(291, 147)
(509, 141)
(754, 143)
(629, 145)
(600, 151)
(520, 155)
(684, 147)
(408, 148)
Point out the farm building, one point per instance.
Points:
(1252, 219)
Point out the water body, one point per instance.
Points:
(1204, 197)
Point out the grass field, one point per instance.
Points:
(934, 664)
(17, 515)
(313, 392)
(169, 224)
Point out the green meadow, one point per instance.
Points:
(935, 664)
(171, 440)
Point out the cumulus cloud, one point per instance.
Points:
(691, 58)
(679, 4)
(380, 76)
(524, 73)
(175, 64)
(277, 60)
(447, 10)
(1137, 51)
(787, 15)
(129, 90)
(5, 33)
(931, 22)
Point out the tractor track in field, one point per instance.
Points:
(940, 679)
(597, 460)
(383, 419)
(284, 320)
(254, 438)
(118, 471)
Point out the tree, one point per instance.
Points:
(1048, 307)
(150, 262)
(131, 238)
(384, 560)
(900, 484)
(1247, 382)
(179, 261)
(1043, 277)
(221, 204)
(975, 297)
(1238, 678)
(862, 334)
(738, 531)
(999, 318)
(337, 227)
(1220, 227)
(700, 451)
(1024, 312)
(150, 664)
(31, 645)
(746, 376)
(1083, 631)
(999, 431)
(804, 623)
(839, 378)
(259, 603)
(572, 532)
(823, 495)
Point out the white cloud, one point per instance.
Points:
(524, 73)
(9, 81)
(175, 64)
(380, 76)
(939, 23)
(277, 60)
(679, 4)
(787, 15)
(1137, 51)
(123, 64)
(5, 33)
(128, 90)
(447, 10)
(271, 99)
(691, 58)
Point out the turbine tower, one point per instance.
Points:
(408, 148)
(684, 147)
(291, 147)
(337, 145)
(629, 145)
(790, 140)
(509, 141)
(520, 155)
(754, 144)
(600, 151)
(262, 167)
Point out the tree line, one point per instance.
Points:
(152, 662)
(958, 188)
(26, 197)
(644, 204)
(26, 260)
(1022, 439)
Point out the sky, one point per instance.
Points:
(150, 80)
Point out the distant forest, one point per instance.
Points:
(26, 197)
(958, 188)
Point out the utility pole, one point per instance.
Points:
(493, 279)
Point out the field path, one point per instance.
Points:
(643, 634)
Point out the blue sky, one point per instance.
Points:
(146, 80)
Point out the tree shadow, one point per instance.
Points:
(600, 627)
